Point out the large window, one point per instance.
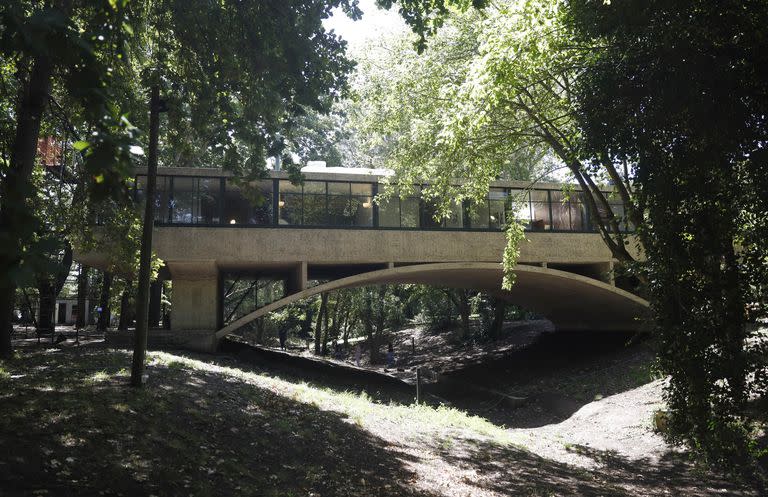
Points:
(479, 215)
(289, 203)
(331, 203)
(561, 211)
(361, 204)
(497, 201)
(519, 206)
(248, 203)
(195, 200)
(540, 210)
(339, 210)
(389, 212)
(315, 207)
(162, 196)
(192, 200)
(410, 212)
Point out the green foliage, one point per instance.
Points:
(677, 91)
(118, 237)
(236, 84)
(434, 305)
(490, 96)
(320, 137)
(67, 49)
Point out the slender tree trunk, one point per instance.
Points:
(260, 331)
(306, 324)
(50, 287)
(381, 315)
(125, 307)
(345, 325)
(47, 306)
(319, 327)
(16, 220)
(30, 308)
(325, 332)
(499, 311)
(155, 299)
(106, 291)
(373, 347)
(142, 304)
(82, 294)
(464, 311)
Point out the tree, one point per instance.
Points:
(63, 44)
(491, 95)
(677, 90)
(104, 297)
(232, 101)
(322, 314)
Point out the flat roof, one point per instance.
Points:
(313, 173)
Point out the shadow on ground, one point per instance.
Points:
(556, 375)
(509, 470)
(71, 426)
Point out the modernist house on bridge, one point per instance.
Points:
(329, 233)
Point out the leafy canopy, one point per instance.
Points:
(678, 91)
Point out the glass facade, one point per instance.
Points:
(247, 203)
(215, 201)
(162, 200)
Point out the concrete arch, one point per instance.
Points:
(570, 301)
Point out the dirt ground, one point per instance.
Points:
(213, 425)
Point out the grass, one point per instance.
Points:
(357, 406)
(201, 428)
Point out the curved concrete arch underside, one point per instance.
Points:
(570, 301)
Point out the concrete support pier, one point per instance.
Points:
(195, 304)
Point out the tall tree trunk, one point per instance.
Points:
(345, 325)
(16, 220)
(125, 307)
(326, 331)
(82, 294)
(306, 324)
(464, 311)
(106, 291)
(155, 300)
(30, 308)
(260, 331)
(499, 311)
(50, 286)
(47, 307)
(373, 347)
(460, 299)
(319, 327)
(381, 314)
(142, 304)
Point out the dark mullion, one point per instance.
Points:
(530, 209)
(327, 216)
(375, 205)
(549, 204)
(488, 204)
(275, 202)
(195, 200)
(301, 217)
(222, 198)
(171, 197)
